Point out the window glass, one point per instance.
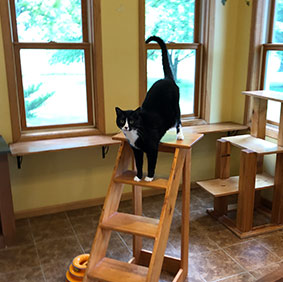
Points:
(52, 20)
(278, 23)
(274, 81)
(183, 67)
(54, 91)
(172, 20)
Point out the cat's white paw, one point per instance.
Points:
(148, 179)
(180, 136)
(137, 179)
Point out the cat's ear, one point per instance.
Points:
(138, 110)
(118, 111)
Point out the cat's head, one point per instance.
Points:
(128, 120)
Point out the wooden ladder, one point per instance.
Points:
(145, 265)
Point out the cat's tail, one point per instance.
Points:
(165, 61)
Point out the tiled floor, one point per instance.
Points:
(46, 245)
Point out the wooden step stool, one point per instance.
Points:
(145, 265)
(251, 177)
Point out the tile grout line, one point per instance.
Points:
(267, 248)
(124, 242)
(235, 260)
(75, 233)
(231, 276)
(248, 271)
(35, 245)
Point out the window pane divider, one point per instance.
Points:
(272, 46)
(194, 46)
(274, 123)
(51, 45)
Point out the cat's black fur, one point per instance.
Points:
(145, 126)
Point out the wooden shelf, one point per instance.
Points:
(60, 144)
(215, 127)
(108, 270)
(225, 187)
(266, 95)
(132, 224)
(257, 145)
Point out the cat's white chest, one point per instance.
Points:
(132, 136)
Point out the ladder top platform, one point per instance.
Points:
(169, 139)
(266, 95)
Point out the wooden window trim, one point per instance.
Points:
(272, 130)
(255, 49)
(260, 43)
(94, 34)
(203, 40)
(49, 46)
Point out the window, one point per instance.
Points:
(181, 25)
(52, 53)
(272, 66)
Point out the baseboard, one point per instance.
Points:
(78, 205)
(83, 204)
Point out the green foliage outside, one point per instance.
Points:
(48, 21)
(52, 21)
(33, 101)
(60, 21)
(173, 21)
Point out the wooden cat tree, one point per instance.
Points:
(145, 266)
(251, 177)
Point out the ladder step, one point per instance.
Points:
(133, 224)
(113, 270)
(128, 178)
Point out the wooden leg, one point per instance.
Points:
(222, 171)
(259, 118)
(277, 202)
(222, 166)
(6, 202)
(220, 206)
(186, 193)
(248, 165)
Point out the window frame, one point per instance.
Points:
(263, 13)
(92, 46)
(203, 40)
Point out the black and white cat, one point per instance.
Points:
(145, 126)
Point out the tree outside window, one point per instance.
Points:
(174, 21)
(51, 51)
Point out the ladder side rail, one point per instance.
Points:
(137, 206)
(166, 216)
(111, 204)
